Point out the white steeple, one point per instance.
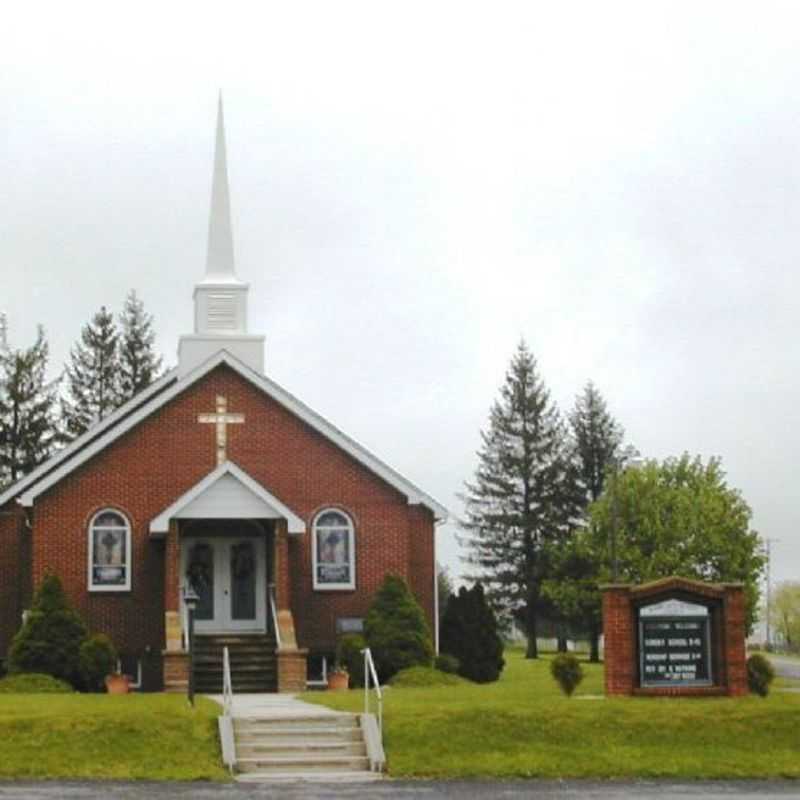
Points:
(219, 259)
(220, 299)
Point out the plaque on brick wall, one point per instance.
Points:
(350, 625)
(674, 644)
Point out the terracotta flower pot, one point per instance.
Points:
(337, 681)
(117, 684)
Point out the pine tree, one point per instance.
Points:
(396, 630)
(138, 363)
(469, 632)
(597, 438)
(27, 409)
(526, 497)
(92, 375)
(50, 640)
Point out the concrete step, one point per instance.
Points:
(336, 777)
(297, 731)
(300, 720)
(303, 764)
(310, 735)
(304, 749)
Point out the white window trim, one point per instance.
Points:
(126, 587)
(351, 541)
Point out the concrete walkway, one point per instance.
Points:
(273, 706)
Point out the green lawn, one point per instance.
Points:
(152, 736)
(522, 726)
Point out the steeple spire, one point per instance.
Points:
(219, 259)
(220, 299)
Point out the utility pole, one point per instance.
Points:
(768, 543)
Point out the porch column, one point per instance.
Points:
(291, 658)
(176, 660)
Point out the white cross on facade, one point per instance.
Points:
(222, 419)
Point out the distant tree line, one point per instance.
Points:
(113, 360)
(554, 511)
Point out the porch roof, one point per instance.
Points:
(227, 493)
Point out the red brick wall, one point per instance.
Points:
(145, 470)
(620, 632)
(619, 637)
(14, 568)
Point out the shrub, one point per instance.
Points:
(51, 638)
(33, 682)
(98, 659)
(469, 632)
(760, 674)
(349, 656)
(396, 630)
(567, 671)
(422, 677)
(447, 663)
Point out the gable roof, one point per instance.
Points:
(217, 487)
(77, 444)
(140, 407)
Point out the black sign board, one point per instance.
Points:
(674, 651)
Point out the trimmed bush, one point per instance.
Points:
(422, 677)
(446, 663)
(760, 674)
(469, 633)
(33, 683)
(349, 656)
(50, 640)
(396, 630)
(567, 671)
(98, 659)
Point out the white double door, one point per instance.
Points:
(229, 576)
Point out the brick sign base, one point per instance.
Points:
(723, 604)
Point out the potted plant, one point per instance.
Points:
(338, 678)
(117, 683)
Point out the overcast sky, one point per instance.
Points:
(417, 186)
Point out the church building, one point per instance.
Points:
(216, 477)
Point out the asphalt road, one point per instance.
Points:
(428, 790)
(786, 667)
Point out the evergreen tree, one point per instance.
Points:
(138, 363)
(526, 497)
(50, 640)
(444, 587)
(27, 409)
(396, 630)
(93, 381)
(469, 632)
(572, 588)
(597, 438)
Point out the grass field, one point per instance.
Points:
(522, 726)
(101, 736)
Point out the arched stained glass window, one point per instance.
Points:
(333, 551)
(109, 552)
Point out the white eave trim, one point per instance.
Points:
(160, 525)
(92, 433)
(414, 495)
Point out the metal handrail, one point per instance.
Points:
(369, 672)
(227, 684)
(273, 607)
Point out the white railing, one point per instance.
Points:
(369, 672)
(227, 685)
(226, 734)
(184, 625)
(273, 609)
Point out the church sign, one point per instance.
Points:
(674, 636)
(674, 646)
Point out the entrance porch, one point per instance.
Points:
(229, 539)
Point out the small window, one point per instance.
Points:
(333, 551)
(109, 552)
